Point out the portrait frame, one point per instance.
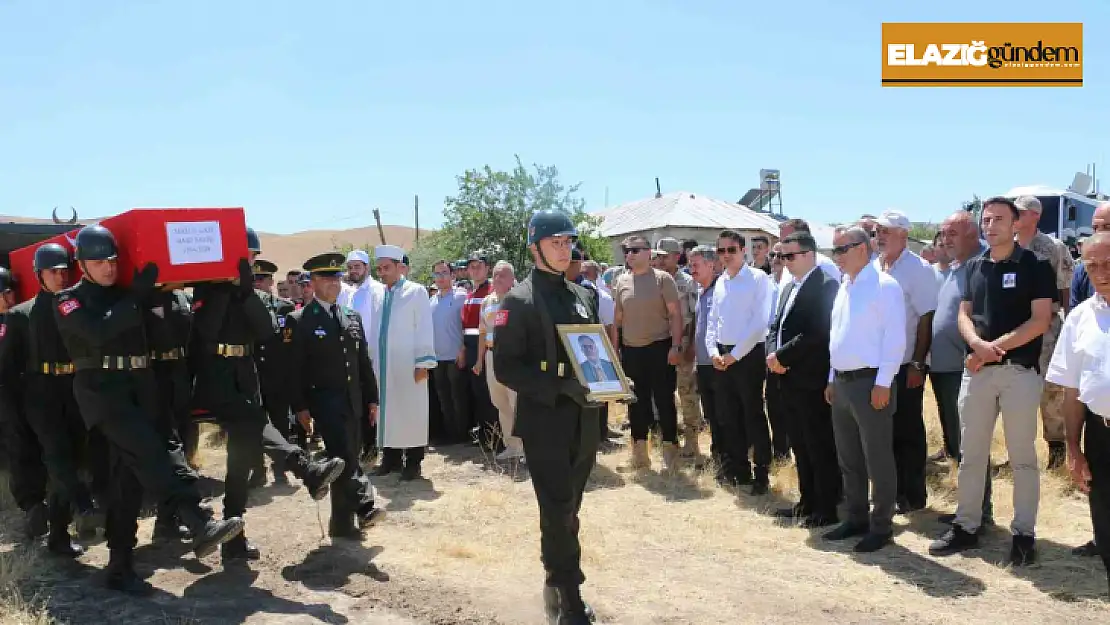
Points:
(602, 391)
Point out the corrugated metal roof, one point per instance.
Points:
(683, 209)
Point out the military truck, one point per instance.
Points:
(16, 235)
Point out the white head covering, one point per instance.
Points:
(389, 251)
(359, 255)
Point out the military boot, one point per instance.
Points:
(36, 521)
(121, 574)
(670, 457)
(641, 458)
(208, 533)
(168, 529)
(60, 543)
(343, 526)
(690, 446)
(239, 548)
(317, 476)
(564, 606)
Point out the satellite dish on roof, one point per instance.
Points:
(1081, 184)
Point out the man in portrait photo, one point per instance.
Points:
(594, 368)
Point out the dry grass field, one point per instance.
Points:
(461, 547)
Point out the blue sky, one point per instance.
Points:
(310, 117)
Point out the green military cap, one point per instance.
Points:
(329, 264)
(263, 268)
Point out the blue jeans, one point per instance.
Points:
(946, 388)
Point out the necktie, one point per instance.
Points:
(782, 304)
(599, 375)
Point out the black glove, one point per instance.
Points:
(574, 390)
(246, 277)
(142, 283)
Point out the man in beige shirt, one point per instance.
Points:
(649, 315)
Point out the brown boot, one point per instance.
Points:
(690, 447)
(670, 457)
(641, 459)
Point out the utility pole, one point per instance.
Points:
(378, 220)
(416, 211)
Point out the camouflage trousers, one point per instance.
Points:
(1052, 398)
(687, 388)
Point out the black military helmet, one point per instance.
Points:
(253, 243)
(51, 256)
(7, 280)
(95, 242)
(550, 223)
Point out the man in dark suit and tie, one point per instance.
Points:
(593, 367)
(798, 350)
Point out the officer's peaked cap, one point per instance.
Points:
(263, 268)
(328, 264)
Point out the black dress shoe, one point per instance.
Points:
(1087, 550)
(1023, 551)
(872, 542)
(845, 530)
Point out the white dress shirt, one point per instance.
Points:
(358, 299)
(739, 312)
(1081, 359)
(790, 301)
(919, 285)
(607, 308)
(868, 326)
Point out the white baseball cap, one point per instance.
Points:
(894, 219)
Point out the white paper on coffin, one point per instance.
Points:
(192, 242)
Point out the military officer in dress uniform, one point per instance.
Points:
(27, 472)
(559, 427)
(272, 363)
(168, 318)
(333, 390)
(228, 319)
(102, 328)
(32, 345)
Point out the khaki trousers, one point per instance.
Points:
(504, 399)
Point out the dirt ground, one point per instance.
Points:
(462, 547)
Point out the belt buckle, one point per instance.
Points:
(64, 368)
(136, 362)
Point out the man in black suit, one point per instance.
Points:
(798, 350)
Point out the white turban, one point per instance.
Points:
(389, 251)
(359, 255)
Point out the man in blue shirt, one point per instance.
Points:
(704, 269)
(447, 338)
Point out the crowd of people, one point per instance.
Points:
(779, 350)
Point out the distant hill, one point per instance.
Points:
(289, 251)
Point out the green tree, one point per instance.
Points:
(923, 231)
(490, 213)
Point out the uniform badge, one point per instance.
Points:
(501, 318)
(68, 306)
(1009, 280)
(320, 332)
(281, 322)
(287, 335)
(581, 310)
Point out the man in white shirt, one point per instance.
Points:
(867, 340)
(734, 336)
(1079, 364)
(355, 293)
(919, 289)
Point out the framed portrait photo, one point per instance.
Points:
(595, 361)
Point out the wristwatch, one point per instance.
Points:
(917, 364)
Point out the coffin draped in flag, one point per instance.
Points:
(400, 342)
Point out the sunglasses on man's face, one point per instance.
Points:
(842, 249)
(732, 249)
(790, 255)
(773, 255)
(632, 250)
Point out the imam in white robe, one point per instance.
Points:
(400, 341)
(358, 299)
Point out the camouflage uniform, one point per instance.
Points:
(687, 389)
(1052, 399)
